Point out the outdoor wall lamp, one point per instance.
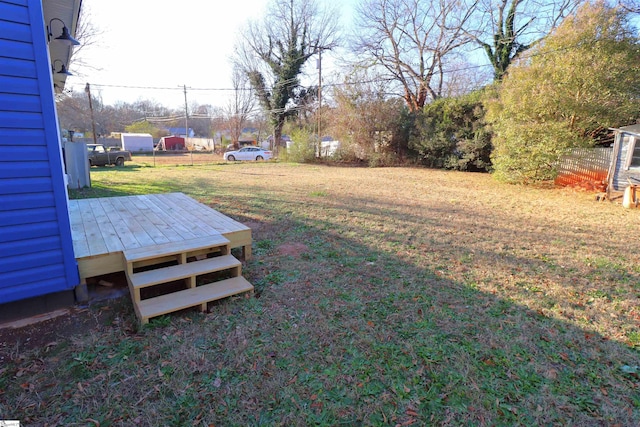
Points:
(63, 68)
(65, 37)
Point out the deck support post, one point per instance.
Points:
(81, 292)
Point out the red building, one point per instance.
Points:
(171, 143)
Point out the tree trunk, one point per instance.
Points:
(277, 134)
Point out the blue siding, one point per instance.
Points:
(24, 86)
(25, 201)
(11, 13)
(36, 250)
(41, 259)
(30, 169)
(27, 216)
(29, 246)
(16, 233)
(20, 50)
(26, 103)
(16, 137)
(19, 32)
(25, 185)
(36, 288)
(21, 120)
(17, 68)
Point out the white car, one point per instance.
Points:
(248, 153)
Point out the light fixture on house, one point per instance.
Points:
(65, 37)
(62, 70)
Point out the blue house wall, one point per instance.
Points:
(36, 250)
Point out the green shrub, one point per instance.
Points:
(452, 133)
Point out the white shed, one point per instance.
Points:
(137, 142)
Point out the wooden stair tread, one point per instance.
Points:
(174, 248)
(182, 271)
(192, 297)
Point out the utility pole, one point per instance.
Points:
(87, 89)
(186, 123)
(319, 101)
(186, 114)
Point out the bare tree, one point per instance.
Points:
(412, 40)
(506, 28)
(632, 6)
(273, 51)
(363, 115)
(237, 110)
(88, 34)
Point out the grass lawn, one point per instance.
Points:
(394, 296)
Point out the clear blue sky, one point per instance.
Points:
(162, 43)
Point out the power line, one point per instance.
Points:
(452, 70)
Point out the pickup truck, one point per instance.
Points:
(99, 156)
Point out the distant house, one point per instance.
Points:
(268, 143)
(181, 132)
(36, 251)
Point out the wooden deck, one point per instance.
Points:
(103, 228)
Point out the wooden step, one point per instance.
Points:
(183, 271)
(192, 297)
(174, 248)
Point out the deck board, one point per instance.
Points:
(217, 220)
(107, 230)
(92, 230)
(161, 214)
(79, 238)
(141, 214)
(181, 209)
(136, 229)
(174, 233)
(126, 237)
(103, 228)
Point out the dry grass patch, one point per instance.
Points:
(421, 297)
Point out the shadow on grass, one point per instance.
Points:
(371, 337)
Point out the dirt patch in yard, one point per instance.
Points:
(108, 299)
(39, 333)
(292, 249)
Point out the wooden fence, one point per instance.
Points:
(586, 168)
